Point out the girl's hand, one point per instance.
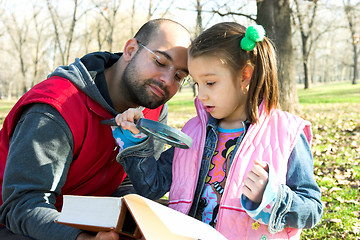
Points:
(128, 118)
(256, 181)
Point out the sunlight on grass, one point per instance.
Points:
(181, 108)
(330, 93)
(5, 107)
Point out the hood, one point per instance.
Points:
(87, 74)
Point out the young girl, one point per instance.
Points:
(249, 171)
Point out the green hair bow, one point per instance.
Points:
(254, 34)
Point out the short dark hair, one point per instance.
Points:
(151, 29)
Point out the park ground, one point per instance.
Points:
(334, 112)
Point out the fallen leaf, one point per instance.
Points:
(333, 189)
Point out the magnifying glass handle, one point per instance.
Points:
(160, 131)
(111, 122)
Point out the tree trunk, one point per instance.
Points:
(351, 12)
(10, 90)
(307, 39)
(274, 15)
(23, 75)
(355, 64)
(199, 26)
(305, 60)
(306, 76)
(199, 29)
(70, 34)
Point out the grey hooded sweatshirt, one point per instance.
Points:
(40, 154)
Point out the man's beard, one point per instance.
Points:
(137, 88)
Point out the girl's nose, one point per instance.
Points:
(202, 95)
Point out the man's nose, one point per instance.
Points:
(168, 77)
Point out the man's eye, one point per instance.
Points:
(159, 62)
(178, 78)
(181, 75)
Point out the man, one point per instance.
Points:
(52, 142)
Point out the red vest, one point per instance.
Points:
(94, 170)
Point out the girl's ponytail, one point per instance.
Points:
(264, 82)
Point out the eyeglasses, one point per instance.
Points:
(161, 61)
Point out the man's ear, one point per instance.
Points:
(130, 49)
(246, 74)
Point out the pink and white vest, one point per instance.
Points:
(271, 139)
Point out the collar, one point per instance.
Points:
(96, 63)
(213, 123)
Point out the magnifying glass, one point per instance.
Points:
(159, 131)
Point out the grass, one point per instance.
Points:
(181, 108)
(334, 111)
(5, 107)
(330, 93)
(336, 151)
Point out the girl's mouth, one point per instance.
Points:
(209, 108)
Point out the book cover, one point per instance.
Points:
(133, 216)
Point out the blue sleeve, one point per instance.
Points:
(298, 203)
(261, 212)
(151, 178)
(125, 138)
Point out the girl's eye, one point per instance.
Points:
(210, 83)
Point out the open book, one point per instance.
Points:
(133, 216)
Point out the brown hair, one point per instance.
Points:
(223, 40)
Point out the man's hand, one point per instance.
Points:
(99, 236)
(256, 181)
(128, 118)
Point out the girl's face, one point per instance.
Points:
(223, 94)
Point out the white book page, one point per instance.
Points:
(184, 225)
(94, 211)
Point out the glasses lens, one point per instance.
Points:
(181, 76)
(163, 62)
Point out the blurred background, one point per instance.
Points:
(317, 43)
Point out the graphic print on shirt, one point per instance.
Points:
(216, 178)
